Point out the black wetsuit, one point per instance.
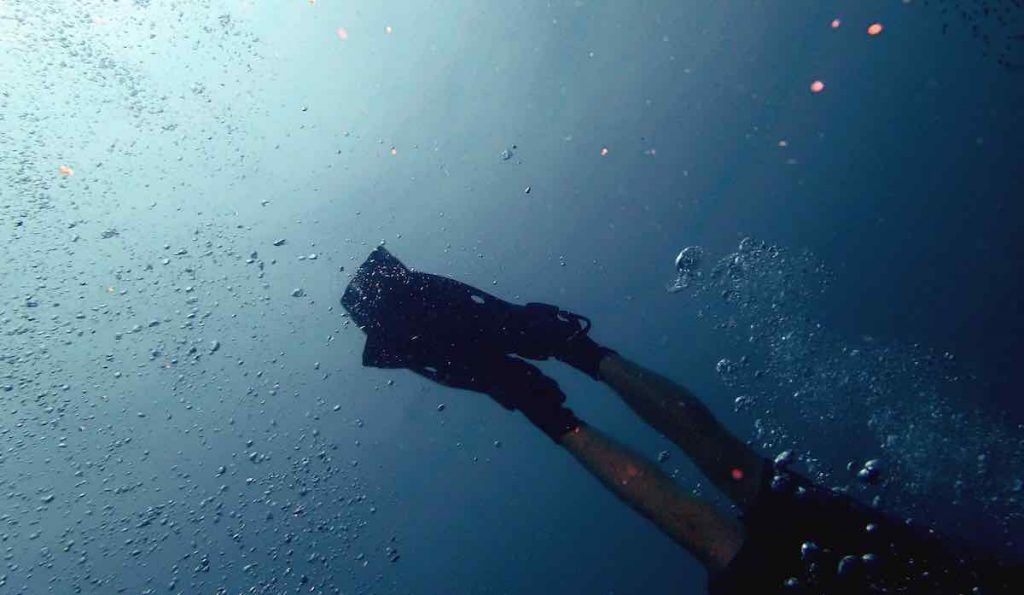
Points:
(803, 539)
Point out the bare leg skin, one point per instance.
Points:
(712, 537)
(676, 413)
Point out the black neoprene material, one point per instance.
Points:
(802, 539)
(460, 336)
(540, 331)
(513, 383)
(584, 354)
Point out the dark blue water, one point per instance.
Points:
(183, 405)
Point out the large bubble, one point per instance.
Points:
(688, 263)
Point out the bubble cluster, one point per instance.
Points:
(161, 429)
(995, 24)
(911, 436)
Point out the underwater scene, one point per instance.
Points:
(478, 297)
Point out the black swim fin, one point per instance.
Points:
(461, 337)
(416, 319)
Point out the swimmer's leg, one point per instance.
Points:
(676, 413)
(712, 537)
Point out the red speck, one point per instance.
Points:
(736, 473)
(604, 151)
(874, 29)
(836, 23)
(817, 87)
(342, 33)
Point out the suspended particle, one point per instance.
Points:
(342, 33)
(817, 87)
(836, 23)
(604, 151)
(65, 171)
(874, 29)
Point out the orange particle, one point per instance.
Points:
(736, 473)
(836, 23)
(342, 33)
(817, 87)
(604, 151)
(874, 29)
(65, 171)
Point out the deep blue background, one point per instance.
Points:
(220, 126)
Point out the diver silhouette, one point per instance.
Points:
(791, 536)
